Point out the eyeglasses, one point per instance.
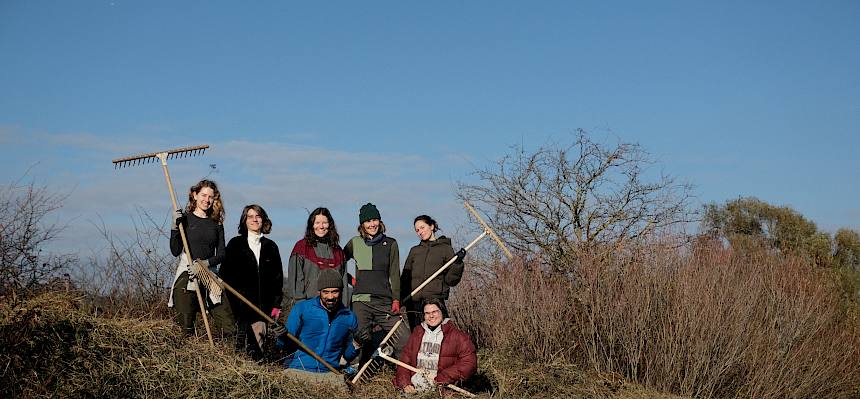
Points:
(432, 312)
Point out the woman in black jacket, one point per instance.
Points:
(425, 259)
(253, 267)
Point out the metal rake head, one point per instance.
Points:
(375, 363)
(155, 156)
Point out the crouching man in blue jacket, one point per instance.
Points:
(327, 327)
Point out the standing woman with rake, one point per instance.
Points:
(253, 267)
(203, 219)
(425, 259)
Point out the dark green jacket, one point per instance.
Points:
(425, 259)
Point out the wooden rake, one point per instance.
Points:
(417, 370)
(212, 281)
(163, 157)
(486, 231)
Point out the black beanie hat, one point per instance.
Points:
(368, 211)
(329, 278)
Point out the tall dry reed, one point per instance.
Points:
(705, 322)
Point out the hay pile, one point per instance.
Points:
(53, 347)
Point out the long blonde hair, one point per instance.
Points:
(216, 211)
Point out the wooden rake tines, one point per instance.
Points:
(155, 156)
(486, 231)
(211, 281)
(369, 368)
(162, 156)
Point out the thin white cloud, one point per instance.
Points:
(287, 179)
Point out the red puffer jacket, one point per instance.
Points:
(457, 360)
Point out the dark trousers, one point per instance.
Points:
(185, 303)
(376, 315)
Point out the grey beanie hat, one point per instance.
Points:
(329, 278)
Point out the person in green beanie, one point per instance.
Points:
(376, 292)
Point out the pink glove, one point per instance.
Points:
(395, 307)
(275, 313)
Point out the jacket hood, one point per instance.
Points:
(439, 240)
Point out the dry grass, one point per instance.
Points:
(55, 347)
(703, 323)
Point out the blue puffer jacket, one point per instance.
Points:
(308, 321)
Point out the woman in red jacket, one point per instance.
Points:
(437, 346)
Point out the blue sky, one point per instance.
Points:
(340, 103)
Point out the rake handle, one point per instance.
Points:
(417, 370)
(163, 157)
(270, 320)
(443, 268)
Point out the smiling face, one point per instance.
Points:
(432, 315)
(329, 298)
(423, 230)
(253, 221)
(321, 225)
(203, 199)
(371, 227)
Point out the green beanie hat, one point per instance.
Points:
(368, 211)
(329, 278)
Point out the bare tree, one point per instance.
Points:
(25, 228)
(557, 201)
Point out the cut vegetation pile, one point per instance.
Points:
(54, 347)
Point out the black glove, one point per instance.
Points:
(461, 254)
(179, 217)
(277, 329)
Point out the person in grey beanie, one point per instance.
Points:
(326, 326)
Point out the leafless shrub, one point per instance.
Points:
(705, 321)
(26, 227)
(132, 274)
(504, 309)
(562, 201)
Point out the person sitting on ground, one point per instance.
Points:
(325, 326)
(437, 346)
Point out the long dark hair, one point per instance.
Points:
(311, 238)
(267, 223)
